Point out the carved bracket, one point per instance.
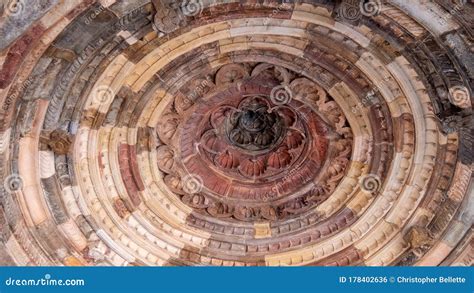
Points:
(58, 140)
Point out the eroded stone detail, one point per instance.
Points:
(420, 240)
(168, 17)
(58, 140)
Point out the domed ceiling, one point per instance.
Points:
(236, 133)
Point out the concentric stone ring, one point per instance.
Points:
(236, 133)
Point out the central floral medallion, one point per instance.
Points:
(249, 140)
(234, 151)
(254, 126)
(254, 139)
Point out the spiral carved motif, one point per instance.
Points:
(236, 133)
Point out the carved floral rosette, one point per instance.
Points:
(257, 160)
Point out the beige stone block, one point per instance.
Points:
(375, 70)
(5, 142)
(405, 206)
(109, 84)
(261, 30)
(389, 252)
(73, 234)
(429, 14)
(51, 34)
(17, 252)
(69, 201)
(262, 230)
(28, 168)
(376, 238)
(46, 162)
(347, 100)
(312, 17)
(58, 11)
(313, 9)
(107, 3)
(399, 69)
(359, 202)
(435, 255)
(234, 47)
(161, 61)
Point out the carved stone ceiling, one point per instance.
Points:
(236, 133)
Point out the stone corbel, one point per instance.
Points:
(419, 239)
(58, 140)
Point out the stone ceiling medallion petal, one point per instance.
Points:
(294, 139)
(252, 167)
(230, 74)
(212, 142)
(165, 157)
(279, 159)
(227, 160)
(287, 114)
(183, 103)
(219, 115)
(220, 210)
(168, 126)
(270, 71)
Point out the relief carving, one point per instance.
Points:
(168, 17)
(248, 129)
(58, 140)
(420, 240)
